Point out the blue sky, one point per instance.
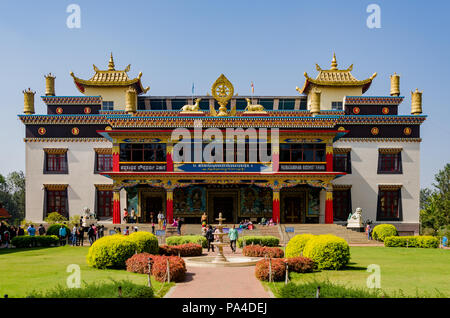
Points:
(271, 43)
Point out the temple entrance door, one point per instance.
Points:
(153, 204)
(294, 208)
(224, 205)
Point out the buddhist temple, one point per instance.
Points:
(313, 157)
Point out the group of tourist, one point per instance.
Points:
(129, 217)
(211, 234)
(76, 236)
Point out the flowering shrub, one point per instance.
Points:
(145, 242)
(176, 265)
(381, 231)
(296, 245)
(278, 269)
(138, 263)
(411, 241)
(31, 241)
(111, 251)
(258, 240)
(300, 264)
(262, 251)
(184, 250)
(184, 239)
(328, 251)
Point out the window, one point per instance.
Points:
(103, 162)
(302, 152)
(389, 205)
(143, 152)
(342, 204)
(336, 105)
(342, 162)
(241, 103)
(286, 104)
(56, 201)
(55, 163)
(303, 104)
(158, 104)
(389, 163)
(267, 103)
(104, 203)
(179, 103)
(107, 105)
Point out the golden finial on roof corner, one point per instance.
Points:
(333, 62)
(111, 66)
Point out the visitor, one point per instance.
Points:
(160, 220)
(91, 234)
(101, 231)
(249, 225)
(20, 231)
(271, 222)
(95, 231)
(263, 221)
(216, 237)
(210, 238)
(368, 231)
(203, 220)
(126, 231)
(80, 238)
(180, 222)
(125, 215)
(135, 229)
(31, 230)
(175, 222)
(233, 235)
(41, 230)
(6, 237)
(152, 217)
(153, 227)
(132, 216)
(74, 235)
(62, 235)
(118, 230)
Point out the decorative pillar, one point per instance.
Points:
(169, 205)
(169, 157)
(329, 155)
(329, 205)
(276, 205)
(116, 156)
(116, 206)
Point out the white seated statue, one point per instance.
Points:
(355, 219)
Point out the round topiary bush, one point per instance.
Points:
(300, 264)
(185, 239)
(145, 242)
(296, 245)
(381, 231)
(138, 263)
(54, 229)
(177, 268)
(111, 251)
(183, 250)
(328, 251)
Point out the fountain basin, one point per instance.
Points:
(231, 261)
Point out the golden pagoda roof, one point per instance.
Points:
(334, 77)
(110, 77)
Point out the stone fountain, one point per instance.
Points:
(220, 259)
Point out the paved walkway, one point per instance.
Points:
(219, 282)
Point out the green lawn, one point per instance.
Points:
(24, 270)
(413, 271)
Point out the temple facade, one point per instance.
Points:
(309, 158)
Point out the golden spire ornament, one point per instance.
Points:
(333, 62)
(111, 66)
(222, 90)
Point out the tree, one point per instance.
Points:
(435, 203)
(12, 194)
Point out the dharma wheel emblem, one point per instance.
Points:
(42, 131)
(385, 110)
(375, 131)
(87, 110)
(59, 110)
(407, 131)
(356, 110)
(222, 90)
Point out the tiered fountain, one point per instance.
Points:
(220, 259)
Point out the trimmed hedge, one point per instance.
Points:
(296, 245)
(412, 241)
(176, 265)
(259, 240)
(328, 251)
(381, 231)
(54, 229)
(327, 290)
(296, 264)
(262, 251)
(145, 242)
(184, 239)
(111, 251)
(183, 250)
(33, 241)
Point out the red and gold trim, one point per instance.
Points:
(169, 157)
(329, 206)
(329, 156)
(116, 207)
(276, 206)
(116, 157)
(169, 206)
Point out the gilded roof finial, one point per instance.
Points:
(111, 66)
(333, 62)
